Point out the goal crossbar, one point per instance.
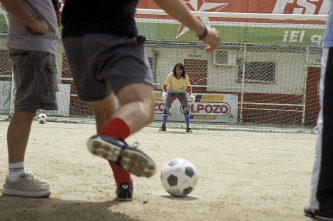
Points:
(241, 15)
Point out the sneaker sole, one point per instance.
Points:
(41, 194)
(132, 160)
(124, 200)
(322, 218)
(316, 217)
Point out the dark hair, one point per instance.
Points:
(181, 67)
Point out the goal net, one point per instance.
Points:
(263, 76)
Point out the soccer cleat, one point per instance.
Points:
(319, 214)
(124, 192)
(130, 159)
(163, 128)
(188, 129)
(27, 185)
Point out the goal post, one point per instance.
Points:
(263, 76)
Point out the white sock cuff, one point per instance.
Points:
(16, 165)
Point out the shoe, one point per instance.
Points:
(124, 192)
(188, 129)
(163, 128)
(129, 158)
(319, 214)
(40, 181)
(27, 185)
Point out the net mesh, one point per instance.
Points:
(264, 76)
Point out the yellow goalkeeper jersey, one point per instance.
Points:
(177, 85)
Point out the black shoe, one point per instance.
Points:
(163, 128)
(319, 214)
(188, 129)
(124, 192)
(129, 158)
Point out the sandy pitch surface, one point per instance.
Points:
(242, 176)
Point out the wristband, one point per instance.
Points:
(201, 37)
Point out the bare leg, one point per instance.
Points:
(136, 111)
(18, 135)
(19, 181)
(137, 106)
(104, 110)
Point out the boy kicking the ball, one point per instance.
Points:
(107, 58)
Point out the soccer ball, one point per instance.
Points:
(42, 118)
(179, 177)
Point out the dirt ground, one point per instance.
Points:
(242, 176)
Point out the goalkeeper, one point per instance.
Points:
(175, 86)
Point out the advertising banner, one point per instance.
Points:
(206, 108)
(242, 30)
(315, 7)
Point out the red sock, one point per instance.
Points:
(118, 129)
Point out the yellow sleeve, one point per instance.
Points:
(187, 81)
(167, 80)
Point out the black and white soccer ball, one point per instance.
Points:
(179, 177)
(42, 118)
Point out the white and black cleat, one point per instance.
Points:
(129, 158)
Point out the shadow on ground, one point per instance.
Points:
(50, 209)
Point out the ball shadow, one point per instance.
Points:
(180, 198)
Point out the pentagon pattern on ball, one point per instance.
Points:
(173, 162)
(189, 171)
(187, 190)
(172, 180)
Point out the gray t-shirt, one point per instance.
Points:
(328, 35)
(20, 37)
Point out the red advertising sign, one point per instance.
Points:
(311, 7)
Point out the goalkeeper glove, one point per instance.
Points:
(192, 97)
(164, 95)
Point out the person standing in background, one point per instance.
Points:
(32, 41)
(175, 86)
(321, 200)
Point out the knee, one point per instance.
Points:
(166, 109)
(25, 116)
(186, 110)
